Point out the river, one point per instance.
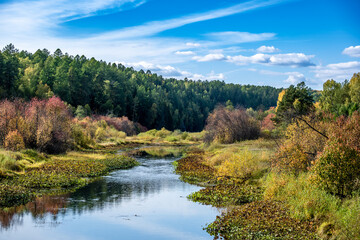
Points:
(145, 202)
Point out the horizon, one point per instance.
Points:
(260, 42)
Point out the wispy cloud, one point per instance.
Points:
(337, 71)
(152, 28)
(184, 53)
(352, 51)
(43, 17)
(191, 44)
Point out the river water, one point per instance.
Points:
(145, 202)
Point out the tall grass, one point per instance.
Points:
(305, 200)
(338, 218)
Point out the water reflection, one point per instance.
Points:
(39, 209)
(144, 202)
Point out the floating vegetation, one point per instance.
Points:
(58, 174)
(193, 169)
(261, 220)
(223, 195)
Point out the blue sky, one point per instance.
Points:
(261, 42)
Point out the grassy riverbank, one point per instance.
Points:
(27, 174)
(234, 176)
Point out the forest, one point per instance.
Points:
(112, 89)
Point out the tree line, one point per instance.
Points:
(112, 89)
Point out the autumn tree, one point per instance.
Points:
(54, 132)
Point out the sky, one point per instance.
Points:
(259, 42)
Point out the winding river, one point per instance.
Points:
(145, 202)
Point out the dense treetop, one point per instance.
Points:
(109, 88)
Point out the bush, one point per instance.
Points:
(337, 169)
(102, 134)
(348, 129)
(81, 139)
(172, 139)
(162, 133)
(49, 125)
(184, 135)
(228, 126)
(14, 141)
(123, 124)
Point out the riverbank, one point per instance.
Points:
(27, 174)
(233, 178)
(31, 174)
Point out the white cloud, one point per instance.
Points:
(185, 53)
(210, 57)
(337, 71)
(214, 76)
(296, 78)
(288, 59)
(164, 70)
(352, 51)
(292, 77)
(240, 37)
(267, 49)
(191, 44)
(172, 72)
(292, 59)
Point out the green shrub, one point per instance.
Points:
(172, 139)
(184, 135)
(81, 139)
(151, 132)
(163, 133)
(337, 169)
